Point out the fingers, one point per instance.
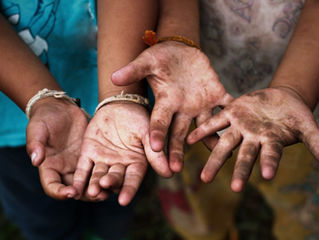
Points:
(37, 137)
(226, 144)
(246, 158)
(216, 123)
(157, 160)
(133, 179)
(81, 175)
(133, 72)
(225, 100)
(102, 196)
(52, 185)
(114, 178)
(270, 155)
(160, 121)
(177, 137)
(99, 170)
(211, 141)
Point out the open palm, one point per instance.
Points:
(114, 152)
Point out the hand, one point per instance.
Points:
(54, 137)
(184, 85)
(114, 149)
(262, 121)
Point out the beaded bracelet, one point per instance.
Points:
(44, 93)
(135, 98)
(150, 39)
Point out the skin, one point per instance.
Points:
(56, 160)
(55, 134)
(169, 68)
(266, 121)
(113, 153)
(115, 150)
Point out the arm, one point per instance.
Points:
(184, 84)
(18, 64)
(116, 142)
(121, 25)
(265, 121)
(299, 68)
(179, 17)
(22, 75)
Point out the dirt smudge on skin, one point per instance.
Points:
(260, 95)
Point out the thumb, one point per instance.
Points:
(134, 72)
(37, 137)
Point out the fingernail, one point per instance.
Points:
(33, 157)
(115, 74)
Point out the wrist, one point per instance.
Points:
(50, 101)
(308, 99)
(139, 89)
(47, 93)
(172, 29)
(174, 21)
(292, 91)
(124, 98)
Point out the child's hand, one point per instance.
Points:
(262, 121)
(114, 151)
(185, 87)
(54, 137)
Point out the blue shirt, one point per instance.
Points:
(62, 33)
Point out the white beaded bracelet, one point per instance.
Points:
(135, 98)
(44, 93)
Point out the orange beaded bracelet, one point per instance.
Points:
(150, 39)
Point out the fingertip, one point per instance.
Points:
(268, 172)
(205, 178)
(162, 169)
(157, 141)
(79, 190)
(102, 196)
(104, 182)
(176, 165)
(192, 137)
(167, 174)
(124, 199)
(34, 158)
(237, 185)
(37, 157)
(93, 190)
(69, 192)
(116, 77)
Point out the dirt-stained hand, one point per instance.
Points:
(184, 85)
(114, 153)
(262, 122)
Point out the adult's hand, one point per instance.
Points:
(262, 121)
(185, 86)
(54, 136)
(114, 152)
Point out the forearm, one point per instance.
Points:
(121, 26)
(22, 74)
(299, 69)
(179, 17)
